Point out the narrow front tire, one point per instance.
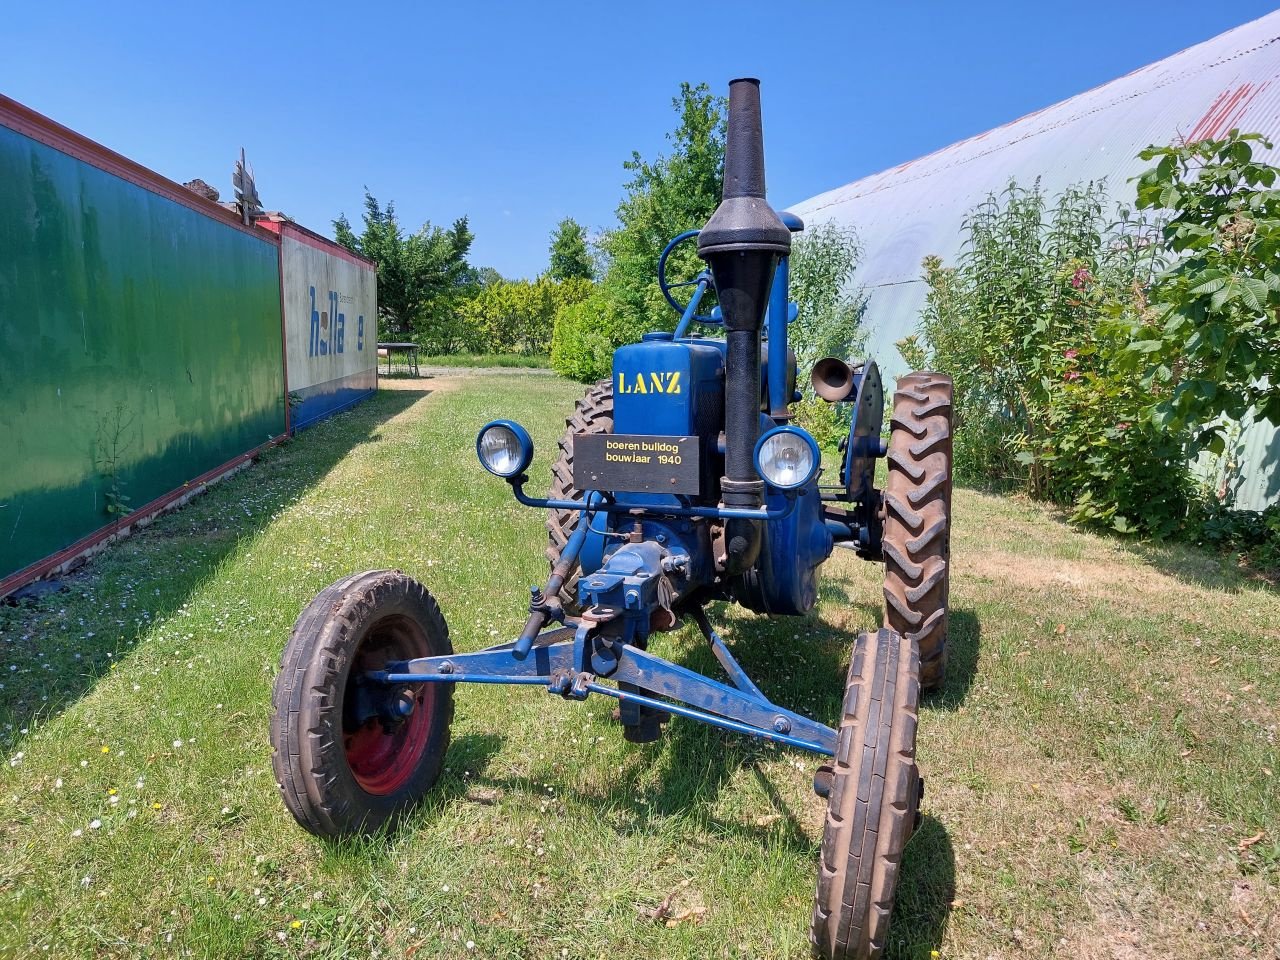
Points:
(349, 755)
(873, 800)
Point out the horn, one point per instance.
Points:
(832, 379)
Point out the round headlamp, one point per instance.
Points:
(787, 458)
(504, 448)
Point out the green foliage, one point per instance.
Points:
(421, 277)
(822, 265)
(1022, 325)
(570, 258)
(665, 197)
(830, 308)
(516, 316)
(1254, 536)
(1209, 344)
(585, 336)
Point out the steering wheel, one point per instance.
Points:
(701, 284)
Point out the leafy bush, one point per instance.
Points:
(1020, 323)
(1209, 345)
(1252, 534)
(517, 316)
(584, 338)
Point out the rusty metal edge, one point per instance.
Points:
(27, 122)
(71, 557)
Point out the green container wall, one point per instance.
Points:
(138, 337)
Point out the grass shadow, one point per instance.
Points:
(56, 647)
(926, 889)
(1201, 566)
(465, 764)
(964, 638)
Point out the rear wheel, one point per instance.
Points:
(351, 755)
(873, 801)
(592, 414)
(916, 543)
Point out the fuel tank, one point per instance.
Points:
(664, 387)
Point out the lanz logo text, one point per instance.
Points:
(655, 382)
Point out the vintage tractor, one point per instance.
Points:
(680, 481)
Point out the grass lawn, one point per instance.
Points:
(1101, 766)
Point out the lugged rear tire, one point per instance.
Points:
(873, 803)
(916, 541)
(339, 777)
(592, 414)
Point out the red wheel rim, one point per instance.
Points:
(383, 760)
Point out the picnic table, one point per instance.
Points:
(410, 350)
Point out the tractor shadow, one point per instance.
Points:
(799, 663)
(116, 597)
(926, 890)
(462, 779)
(964, 641)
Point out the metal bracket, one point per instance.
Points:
(565, 668)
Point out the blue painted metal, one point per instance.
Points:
(491, 665)
(823, 747)
(864, 445)
(737, 675)
(666, 387)
(785, 578)
(567, 668)
(627, 581)
(776, 320)
(691, 311)
(774, 512)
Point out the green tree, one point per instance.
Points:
(485, 277)
(664, 197)
(570, 258)
(1209, 343)
(421, 276)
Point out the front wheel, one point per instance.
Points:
(873, 800)
(351, 755)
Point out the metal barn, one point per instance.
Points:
(916, 209)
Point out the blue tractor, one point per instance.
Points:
(680, 481)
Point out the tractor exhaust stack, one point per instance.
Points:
(742, 244)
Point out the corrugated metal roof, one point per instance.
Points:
(915, 209)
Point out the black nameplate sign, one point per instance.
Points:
(626, 463)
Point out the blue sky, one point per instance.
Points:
(517, 114)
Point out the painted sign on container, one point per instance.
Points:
(330, 314)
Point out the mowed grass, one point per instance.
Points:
(1101, 767)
